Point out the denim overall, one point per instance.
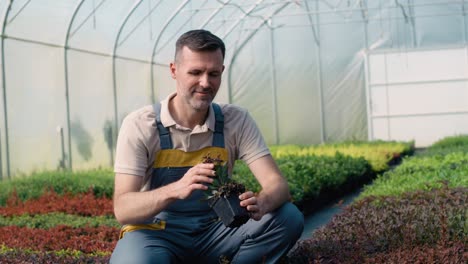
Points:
(170, 165)
(188, 231)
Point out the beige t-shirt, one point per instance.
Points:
(138, 140)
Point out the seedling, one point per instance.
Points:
(223, 195)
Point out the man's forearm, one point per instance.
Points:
(273, 198)
(136, 207)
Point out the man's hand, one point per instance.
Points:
(253, 205)
(274, 191)
(195, 178)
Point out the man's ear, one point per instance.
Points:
(172, 67)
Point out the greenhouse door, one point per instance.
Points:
(419, 95)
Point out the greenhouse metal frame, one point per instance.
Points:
(73, 69)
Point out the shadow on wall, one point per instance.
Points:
(82, 139)
(109, 135)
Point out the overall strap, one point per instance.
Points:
(164, 136)
(218, 135)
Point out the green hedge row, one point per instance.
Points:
(446, 146)
(101, 182)
(308, 176)
(378, 153)
(452, 142)
(329, 168)
(46, 221)
(445, 162)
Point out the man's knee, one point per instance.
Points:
(133, 248)
(290, 218)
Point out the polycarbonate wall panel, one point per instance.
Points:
(3, 161)
(250, 81)
(163, 82)
(43, 21)
(438, 23)
(91, 109)
(387, 27)
(168, 24)
(343, 81)
(171, 28)
(97, 23)
(297, 77)
(3, 152)
(133, 86)
(36, 105)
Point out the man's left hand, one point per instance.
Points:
(251, 202)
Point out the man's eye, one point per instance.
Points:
(194, 73)
(214, 74)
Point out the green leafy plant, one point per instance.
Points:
(309, 176)
(223, 185)
(421, 173)
(380, 154)
(450, 142)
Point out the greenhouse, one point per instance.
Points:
(309, 72)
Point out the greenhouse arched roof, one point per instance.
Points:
(303, 69)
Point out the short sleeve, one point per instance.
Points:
(131, 155)
(251, 143)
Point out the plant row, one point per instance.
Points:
(422, 172)
(415, 213)
(49, 220)
(18, 256)
(88, 240)
(390, 229)
(379, 154)
(100, 182)
(318, 174)
(309, 176)
(81, 204)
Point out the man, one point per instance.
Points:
(160, 177)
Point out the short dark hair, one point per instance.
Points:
(199, 40)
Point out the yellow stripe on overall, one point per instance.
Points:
(178, 158)
(129, 228)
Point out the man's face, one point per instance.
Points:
(198, 76)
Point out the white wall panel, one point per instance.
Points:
(428, 98)
(377, 72)
(418, 95)
(425, 130)
(415, 66)
(380, 128)
(379, 100)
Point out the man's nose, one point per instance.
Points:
(204, 81)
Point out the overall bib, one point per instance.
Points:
(188, 231)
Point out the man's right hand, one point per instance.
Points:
(195, 178)
(133, 206)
